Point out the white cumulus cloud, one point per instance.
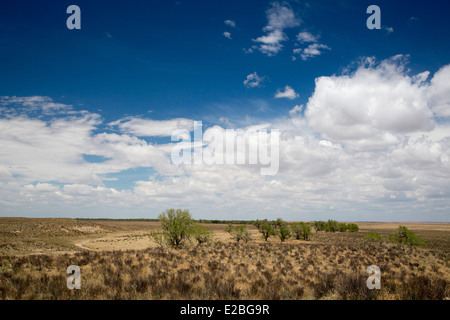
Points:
(374, 107)
(373, 144)
(288, 93)
(439, 92)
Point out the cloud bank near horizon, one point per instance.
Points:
(370, 144)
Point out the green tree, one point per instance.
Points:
(266, 228)
(301, 230)
(282, 229)
(176, 226)
(258, 223)
(242, 233)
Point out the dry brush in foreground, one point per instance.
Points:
(231, 271)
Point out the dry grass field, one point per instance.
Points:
(119, 260)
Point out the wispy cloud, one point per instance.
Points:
(230, 23)
(413, 19)
(33, 103)
(388, 29)
(296, 110)
(279, 18)
(151, 128)
(253, 80)
(313, 49)
(305, 37)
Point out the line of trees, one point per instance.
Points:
(334, 226)
(282, 229)
(178, 227)
(300, 230)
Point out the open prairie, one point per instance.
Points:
(119, 260)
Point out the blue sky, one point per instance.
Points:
(95, 108)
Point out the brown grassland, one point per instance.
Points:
(119, 260)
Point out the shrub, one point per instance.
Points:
(176, 225)
(352, 227)
(324, 285)
(319, 225)
(229, 228)
(301, 230)
(331, 226)
(372, 237)
(425, 288)
(342, 227)
(238, 232)
(352, 286)
(266, 228)
(405, 236)
(201, 234)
